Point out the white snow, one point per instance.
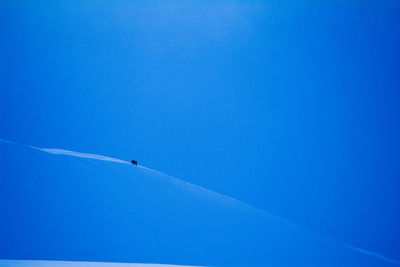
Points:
(164, 188)
(80, 155)
(37, 263)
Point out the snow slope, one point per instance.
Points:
(62, 205)
(30, 263)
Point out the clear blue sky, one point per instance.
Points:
(291, 107)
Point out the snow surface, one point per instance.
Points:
(21, 263)
(70, 206)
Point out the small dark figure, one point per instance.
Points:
(134, 162)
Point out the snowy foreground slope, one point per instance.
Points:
(81, 207)
(30, 263)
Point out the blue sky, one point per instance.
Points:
(291, 107)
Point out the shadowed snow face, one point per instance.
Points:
(86, 207)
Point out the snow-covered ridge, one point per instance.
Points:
(214, 198)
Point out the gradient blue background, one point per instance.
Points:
(290, 107)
